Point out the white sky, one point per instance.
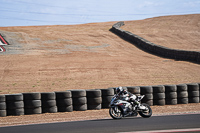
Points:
(68, 12)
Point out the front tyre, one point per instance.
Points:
(147, 112)
(115, 112)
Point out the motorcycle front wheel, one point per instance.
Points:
(147, 112)
(115, 112)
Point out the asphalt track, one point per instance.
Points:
(112, 126)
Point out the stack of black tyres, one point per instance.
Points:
(134, 90)
(193, 93)
(199, 91)
(79, 100)
(3, 106)
(94, 99)
(182, 94)
(64, 101)
(32, 103)
(49, 102)
(14, 104)
(148, 92)
(170, 94)
(159, 95)
(107, 95)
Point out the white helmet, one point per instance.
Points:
(119, 89)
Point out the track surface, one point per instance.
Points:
(110, 125)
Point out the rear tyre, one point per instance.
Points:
(115, 112)
(146, 113)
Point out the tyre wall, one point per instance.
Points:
(107, 95)
(14, 104)
(64, 101)
(32, 103)
(49, 102)
(193, 56)
(182, 94)
(199, 91)
(158, 95)
(134, 90)
(170, 94)
(94, 99)
(148, 92)
(79, 100)
(193, 92)
(3, 112)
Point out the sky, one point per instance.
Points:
(71, 12)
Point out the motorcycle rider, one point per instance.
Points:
(127, 96)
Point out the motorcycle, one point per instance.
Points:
(118, 106)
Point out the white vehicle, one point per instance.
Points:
(117, 107)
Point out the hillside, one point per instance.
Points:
(177, 32)
(89, 56)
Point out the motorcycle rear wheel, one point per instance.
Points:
(115, 112)
(146, 113)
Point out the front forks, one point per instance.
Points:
(116, 109)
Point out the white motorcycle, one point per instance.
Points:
(118, 106)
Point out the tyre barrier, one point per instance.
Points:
(14, 104)
(32, 103)
(94, 99)
(49, 102)
(82, 100)
(134, 90)
(193, 92)
(148, 92)
(182, 94)
(3, 112)
(158, 95)
(64, 101)
(107, 95)
(79, 100)
(199, 91)
(147, 46)
(170, 94)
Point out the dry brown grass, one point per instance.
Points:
(178, 32)
(89, 56)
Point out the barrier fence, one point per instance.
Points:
(192, 56)
(94, 99)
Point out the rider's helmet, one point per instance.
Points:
(118, 89)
